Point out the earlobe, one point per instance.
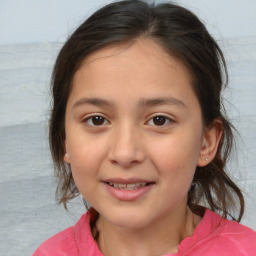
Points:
(66, 156)
(210, 143)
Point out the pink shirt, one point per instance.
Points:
(213, 236)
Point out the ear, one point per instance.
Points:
(210, 143)
(66, 155)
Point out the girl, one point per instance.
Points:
(138, 129)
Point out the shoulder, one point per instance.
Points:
(62, 243)
(239, 236)
(231, 229)
(65, 242)
(73, 241)
(229, 237)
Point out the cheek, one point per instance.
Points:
(176, 164)
(85, 155)
(85, 165)
(176, 156)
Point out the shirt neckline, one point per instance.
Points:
(208, 223)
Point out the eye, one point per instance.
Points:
(96, 120)
(159, 120)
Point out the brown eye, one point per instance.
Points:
(96, 120)
(159, 120)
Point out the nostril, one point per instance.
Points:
(114, 162)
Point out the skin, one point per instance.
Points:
(128, 143)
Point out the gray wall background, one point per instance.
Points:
(31, 33)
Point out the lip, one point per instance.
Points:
(127, 195)
(127, 181)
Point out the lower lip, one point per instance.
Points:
(128, 195)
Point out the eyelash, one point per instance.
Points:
(164, 118)
(103, 121)
(89, 120)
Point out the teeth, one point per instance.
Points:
(122, 185)
(130, 185)
(127, 186)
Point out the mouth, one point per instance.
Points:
(128, 189)
(129, 186)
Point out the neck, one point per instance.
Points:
(158, 238)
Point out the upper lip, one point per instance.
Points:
(126, 181)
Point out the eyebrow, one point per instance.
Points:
(150, 102)
(93, 101)
(144, 102)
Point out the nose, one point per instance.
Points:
(126, 147)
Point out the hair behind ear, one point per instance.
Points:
(212, 186)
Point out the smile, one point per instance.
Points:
(128, 190)
(122, 186)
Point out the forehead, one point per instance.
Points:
(140, 69)
(144, 55)
(147, 48)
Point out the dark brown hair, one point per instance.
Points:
(181, 34)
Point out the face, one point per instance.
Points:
(134, 133)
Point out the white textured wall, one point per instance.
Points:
(30, 36)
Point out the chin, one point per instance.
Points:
(129, 219)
